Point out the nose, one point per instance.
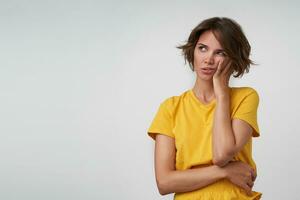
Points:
(209, 59)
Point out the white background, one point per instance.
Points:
(80, 82)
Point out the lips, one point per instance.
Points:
(207, 70)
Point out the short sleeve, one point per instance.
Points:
(163, 121)
(247, 111)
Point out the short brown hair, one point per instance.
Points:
(231, 37)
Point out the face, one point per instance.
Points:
(208, 52)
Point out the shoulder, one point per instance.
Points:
(172, 102)
(243, 92)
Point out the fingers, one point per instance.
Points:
(254, 177)
(253, 174)
(247, 189)
(224, 67)
(227, 67)
(219, 68)
(250, 182)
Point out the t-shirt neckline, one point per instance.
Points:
(211, 103)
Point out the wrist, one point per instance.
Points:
(222, 96)
(221, 171)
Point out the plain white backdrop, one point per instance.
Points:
(80, 82)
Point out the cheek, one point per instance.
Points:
(198, 58)
(220, 59)
(198, 62)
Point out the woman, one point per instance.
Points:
(203, 137)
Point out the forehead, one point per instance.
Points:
(209, 39)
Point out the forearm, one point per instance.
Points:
(191, 179)
(223, 137)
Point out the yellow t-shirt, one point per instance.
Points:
(189, 121)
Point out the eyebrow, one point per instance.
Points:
(207, 46)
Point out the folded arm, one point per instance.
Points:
(171, 181)
(229, 136)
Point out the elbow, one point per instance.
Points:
(222, 160)
(163, 186)
(219, 162)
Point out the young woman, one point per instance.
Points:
(203, 137)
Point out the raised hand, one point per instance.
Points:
(221, 78)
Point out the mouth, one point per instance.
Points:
(207, 70)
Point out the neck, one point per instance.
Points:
(204, 89)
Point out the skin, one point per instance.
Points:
(229, 136)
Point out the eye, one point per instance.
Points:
(221, 53)
(202, 48)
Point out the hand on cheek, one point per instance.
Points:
(221, 77)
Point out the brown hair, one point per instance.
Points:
(231, 37)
